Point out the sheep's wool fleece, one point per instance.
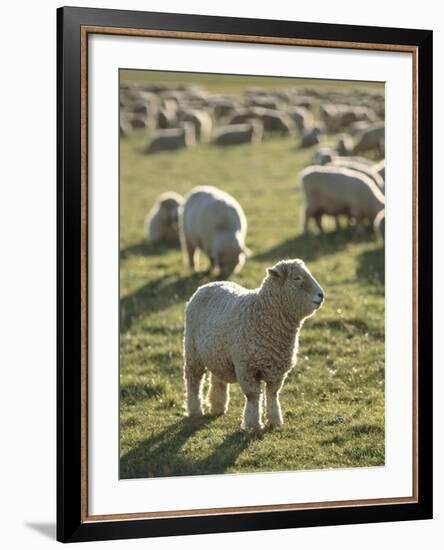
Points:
(247, 335)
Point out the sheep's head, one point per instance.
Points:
(229, 254)
(170, 207)
(301, 293)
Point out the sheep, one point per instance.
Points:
(214, 222)
(273, 121)
(202, 123)
(334, 190)
(161, 223)
(171, 139)
(369, 170)
(379, 224)
(371, 138)
(235, 134)
(276, 122)
(302, 117)
(323, 155)
(249, 337)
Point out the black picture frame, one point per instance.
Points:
(71, 523)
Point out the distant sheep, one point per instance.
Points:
(171, 139)
(161, 223)
(369, 170)
(370, 139)
(274, 122)
(249, 337)
(237, 134)
(202, 122)
(335, 191)
(302, 117)
(214, 222)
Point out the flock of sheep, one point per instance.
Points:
(241, 335)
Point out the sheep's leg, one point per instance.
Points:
(274, 414)
(251, 387)
(218, 396)
(194, 373)
(318, 218)
(337, 223)
(307, 217)
(191, 253)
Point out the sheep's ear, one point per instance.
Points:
(278, 272)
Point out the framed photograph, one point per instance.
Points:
(244, 274)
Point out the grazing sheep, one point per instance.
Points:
(247, 336)
(276, 122)
(172, 139)
(368, 170)
(273, 121)
(235, 134)
(371, 138)
(161, 223)
(202, 123)
(302, 117)
(335, 191)
(379, 224)
(310, 137)
(267, 102)
(213, 221)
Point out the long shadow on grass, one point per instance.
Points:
(161, 455)
(310, 247)
(156, 295)
(144, 248)
(371, 265)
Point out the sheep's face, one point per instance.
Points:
(229, 255)
(171, 209)
(301, 292)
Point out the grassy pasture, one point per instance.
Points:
(332, 402)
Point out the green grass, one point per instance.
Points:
(333, 401)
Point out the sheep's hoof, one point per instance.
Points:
(256, 427)
(194, 414)
(216, 412)
(275, 424)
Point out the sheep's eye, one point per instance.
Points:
(298, 279)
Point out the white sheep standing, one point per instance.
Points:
(249, 337)
(214, 222)
(335, 191)
(161, 223)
